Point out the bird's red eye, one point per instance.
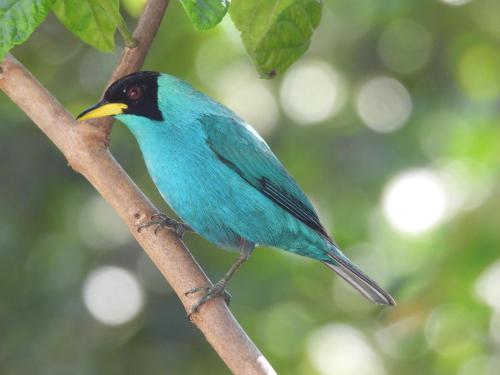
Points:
(135, 92)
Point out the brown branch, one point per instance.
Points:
(85, 148)
(144, 33)
(131, 59)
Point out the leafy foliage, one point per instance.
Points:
(205, 14)
(18, 19)
(93, 21)
(275, 33)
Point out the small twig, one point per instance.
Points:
(85, 148)
(126, 34)
(121, 25)
(132, 59)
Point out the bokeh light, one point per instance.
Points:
(251, 98)
(99, 225)
(112, 295)
(284, 326)
(478, 72)
(488, 286)
(456, 2)
(405, 46)
(338, 349)
(348, 21)
(469, 184)
(403, 339)
(383, 104)
(446, 332)
(312, 91)
(221, 50)
(134, 7)
(415, 201)
(495, 327)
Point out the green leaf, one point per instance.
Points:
(18, 19)
(275, 32)
(205, 14)
(93, 21)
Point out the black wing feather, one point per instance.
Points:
(291, 204)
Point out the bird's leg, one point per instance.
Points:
(218, 289)
(163, 221)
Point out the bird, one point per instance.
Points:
(221, 178)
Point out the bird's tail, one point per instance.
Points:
(362, 283)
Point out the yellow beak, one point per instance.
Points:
(102, 110)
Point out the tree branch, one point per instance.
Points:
(86, 150)
(131, 59)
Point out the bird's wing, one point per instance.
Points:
(239, 147)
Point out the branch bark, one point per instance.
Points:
(86, 150)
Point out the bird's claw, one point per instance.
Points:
(163, 221)
(210, 292)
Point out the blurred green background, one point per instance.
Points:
(391, 124)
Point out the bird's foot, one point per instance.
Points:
(209, 292)
(163, 221)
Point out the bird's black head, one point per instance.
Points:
(134, 94)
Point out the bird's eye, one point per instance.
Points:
(135, 92)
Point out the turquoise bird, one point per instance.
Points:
(221, 178)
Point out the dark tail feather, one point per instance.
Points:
(362, 283)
